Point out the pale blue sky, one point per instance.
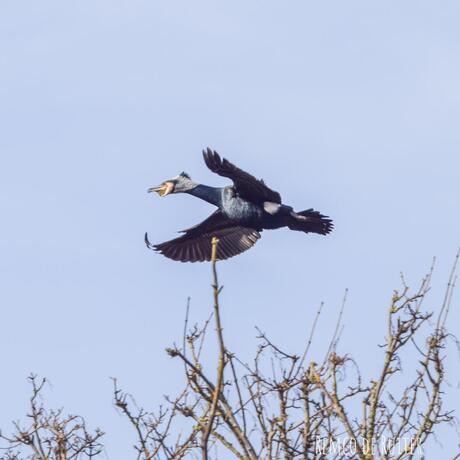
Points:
(350, 107)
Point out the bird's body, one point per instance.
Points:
(232, 206)
(243, 211)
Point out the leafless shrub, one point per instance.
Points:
(50, 435)
(285, 406)
(280, 405)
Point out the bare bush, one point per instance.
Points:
(288, 406)
(280, 405)
(50, 435)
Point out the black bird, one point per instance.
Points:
(244, 209)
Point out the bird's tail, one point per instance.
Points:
(310, 221)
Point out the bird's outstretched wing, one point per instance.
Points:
(246, 185)
(195, 244)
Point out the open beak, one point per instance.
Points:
(163, 189)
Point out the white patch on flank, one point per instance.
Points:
(271, 208)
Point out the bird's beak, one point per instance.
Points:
(163, 189)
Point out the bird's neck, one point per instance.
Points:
(212, 195)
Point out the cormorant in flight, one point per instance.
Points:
(244, 209)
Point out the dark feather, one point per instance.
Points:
(195, 244)
(232, 241)
(246, 185)
(310, 221)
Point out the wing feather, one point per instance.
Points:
(197, 248)
(195, 244)
(246, 185)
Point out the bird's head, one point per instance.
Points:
(179, 184)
